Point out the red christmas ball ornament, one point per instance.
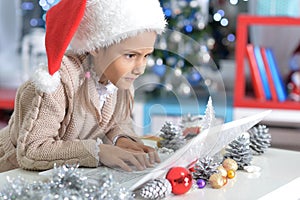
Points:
(180, 179)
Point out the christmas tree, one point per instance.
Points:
(33, 14)
(188, 49)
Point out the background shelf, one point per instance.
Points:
(285, 113)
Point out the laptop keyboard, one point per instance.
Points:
(126, 179)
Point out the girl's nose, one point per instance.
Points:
(140, 67)
(139, 70)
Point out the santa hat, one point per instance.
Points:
(86, 25)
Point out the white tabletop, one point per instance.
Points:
(279, 170)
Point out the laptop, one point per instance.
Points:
(207, 143)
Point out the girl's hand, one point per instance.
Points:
(129, 145)
(113, 156)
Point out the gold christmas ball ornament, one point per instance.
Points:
(230, 164)
(225, 180)
(216, 180)
(222, 171)
(230, 174)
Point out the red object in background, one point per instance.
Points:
(7, 98)
(293, 79)
(191, 130)
(294, 86)
(192, 169)
(269, 75)
(191, 166)
(243, 23)
(255, 74)
(180, 179)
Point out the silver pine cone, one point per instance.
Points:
(204, 168)
(239, 150)
(260, 139)
(172, 137)
(156, 189)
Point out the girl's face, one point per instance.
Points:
(122, 63)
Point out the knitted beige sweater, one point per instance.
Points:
(48, 128)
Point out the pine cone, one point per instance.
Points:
(260, 139)
(204, 168)
(239, 150)
(169, 129)
(156, 189)
(171, 137)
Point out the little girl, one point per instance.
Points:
(79, 110)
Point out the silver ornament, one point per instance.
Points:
(67, 182)
(260, 139)
(156, 189)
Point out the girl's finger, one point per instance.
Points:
(142, 158)
(152, 153)
(133, 160)
(151, 157)
(147, 149)
(146, 161)
(137, 148)
(156, 157)
(123, 166)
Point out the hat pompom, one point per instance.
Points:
(45, 82)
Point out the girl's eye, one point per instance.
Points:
(146, 56)
(130, 55)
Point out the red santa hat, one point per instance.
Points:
(86, 25)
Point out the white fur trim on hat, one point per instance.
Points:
(44, 82)
(106, 22)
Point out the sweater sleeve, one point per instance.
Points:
(40, 144)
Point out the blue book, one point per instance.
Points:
(278, 82)
(262, 72)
